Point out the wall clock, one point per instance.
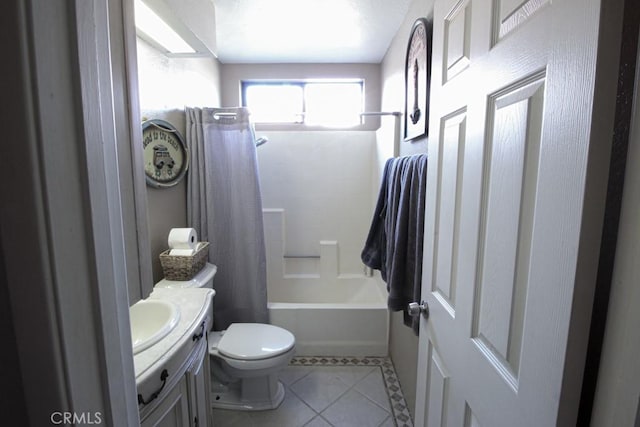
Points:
(417, 80)
(166, 158)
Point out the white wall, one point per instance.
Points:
(403, 344)
(322, 181)
(166, 86)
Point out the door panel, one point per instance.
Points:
(507, 211)
(438, 391)
(509, 186)
(470, 419)
(451, 151)
(457, 38)
(510, 14)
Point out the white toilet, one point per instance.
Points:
(245, 358)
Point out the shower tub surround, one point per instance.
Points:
(329, 312)
(318, 192)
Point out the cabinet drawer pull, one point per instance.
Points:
(163, 377)
(197, 337)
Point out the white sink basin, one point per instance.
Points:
(151, 320)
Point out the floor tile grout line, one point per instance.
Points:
(401, 416)
(326, 407)
(323, 419)
(353, 388)
(289, 389)
(385, 420)
(350, 388)
(355, 361)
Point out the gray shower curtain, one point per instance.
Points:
(224, 205)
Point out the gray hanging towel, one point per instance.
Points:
(395, 239)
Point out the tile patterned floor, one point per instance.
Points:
(331, 392)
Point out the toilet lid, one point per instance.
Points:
(253, 341)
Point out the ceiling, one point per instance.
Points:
(306, 31)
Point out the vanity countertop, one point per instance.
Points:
(194, 303)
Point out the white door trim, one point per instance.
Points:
(61, 221)
(616, 399)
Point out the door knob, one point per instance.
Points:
(416, 309)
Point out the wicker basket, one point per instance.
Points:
(184, 267)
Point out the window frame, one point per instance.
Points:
(302, 83)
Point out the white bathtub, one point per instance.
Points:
(343, 317)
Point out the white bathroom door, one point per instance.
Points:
(508, 222)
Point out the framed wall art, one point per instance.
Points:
(166, 158)
(417, 80)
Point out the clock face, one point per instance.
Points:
(418, 47)
(165, 154)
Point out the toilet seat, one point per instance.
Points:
(254, 341)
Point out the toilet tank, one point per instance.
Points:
(203, 279)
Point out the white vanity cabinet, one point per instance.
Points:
(172, 410)
(173, 390)
(198, 382)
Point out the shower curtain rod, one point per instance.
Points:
(259, 141)
(366, 113)
(382, 113)
(264, 140)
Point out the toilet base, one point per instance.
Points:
(247, 394)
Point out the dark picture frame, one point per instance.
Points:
(417, 79)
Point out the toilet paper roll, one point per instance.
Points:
(183, 238)
(182, 252)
